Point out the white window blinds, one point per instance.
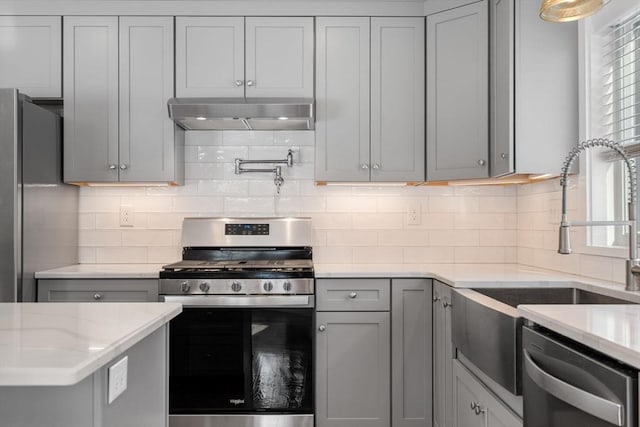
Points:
(621, 98)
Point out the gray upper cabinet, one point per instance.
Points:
(234, 57)
(443, 354)
(118, 78)
(370, 99)
(534, 89)
(342, 99)
(353, 369)
(397, 99)
(458, 93)
(32, 60)
(476, 406)
(411, 323)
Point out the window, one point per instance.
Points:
(615, 115)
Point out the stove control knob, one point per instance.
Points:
(204, 287)
(267, 286)
(185, 287)
(286, 286)
(236, 286)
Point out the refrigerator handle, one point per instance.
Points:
(606, 410)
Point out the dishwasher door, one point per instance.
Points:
(566, 384)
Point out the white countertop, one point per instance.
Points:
(62, 343)
(102, 271)
(611, 329)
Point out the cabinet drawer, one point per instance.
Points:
(109, 290)
(353, 294)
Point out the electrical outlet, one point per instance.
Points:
(126, 216)
(414, 214)
(117, 379)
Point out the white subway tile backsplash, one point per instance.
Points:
(352, 224)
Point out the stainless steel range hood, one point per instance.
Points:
(242, 113)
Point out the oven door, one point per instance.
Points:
(239, 355)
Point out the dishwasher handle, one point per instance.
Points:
(604, 409)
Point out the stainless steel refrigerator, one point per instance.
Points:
(38, 213)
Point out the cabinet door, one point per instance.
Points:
(210, 57)
(458, 93)
(31, 55)
(91, 99)
(353, 369)
(502, 16)
(342, 99)
(476, 405)
(442, 357)
(146, 83)
(397, 99)
(279, 57)
(411, 383)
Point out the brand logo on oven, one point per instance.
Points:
(236, 401)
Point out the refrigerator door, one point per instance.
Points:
(10, 248)
(49, 207)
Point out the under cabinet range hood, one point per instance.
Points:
(242, 113)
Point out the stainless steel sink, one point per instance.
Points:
(517, 296)
(490, 336)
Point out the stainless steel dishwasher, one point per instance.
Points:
(568, 384)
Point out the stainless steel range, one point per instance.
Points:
(241, 353)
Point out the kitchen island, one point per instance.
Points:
(55, 362)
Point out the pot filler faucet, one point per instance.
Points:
(564, 245)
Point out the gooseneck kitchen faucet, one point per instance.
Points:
(564, 243)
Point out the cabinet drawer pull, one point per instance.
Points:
(353, 295)
(97, 296)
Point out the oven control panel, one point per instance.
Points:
(246, 229)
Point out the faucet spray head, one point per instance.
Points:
(564, 241)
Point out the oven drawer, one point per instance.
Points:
(353, 294)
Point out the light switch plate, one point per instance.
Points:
(117, 378)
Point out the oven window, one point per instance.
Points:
(231, 360)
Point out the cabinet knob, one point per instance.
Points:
(474, 405)
(123, 167)
(364, 166)
(436, 298)
(239, 82)
(97, 297)
(113, 167)
(322, 328)
(376, 166)
(482, 162)
(503, 156)
(249, 82)
(446, 304)
(353, 295)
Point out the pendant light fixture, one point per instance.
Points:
(568, 10)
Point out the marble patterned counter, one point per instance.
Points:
(62, 343)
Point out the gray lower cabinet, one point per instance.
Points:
(476, 406)
(97, 290)
(373, 353)
(443, 354)
(411, 344)
(458, 93)
(142, 404)
(353, 369)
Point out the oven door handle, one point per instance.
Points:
(239, 301)
(604, 409)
